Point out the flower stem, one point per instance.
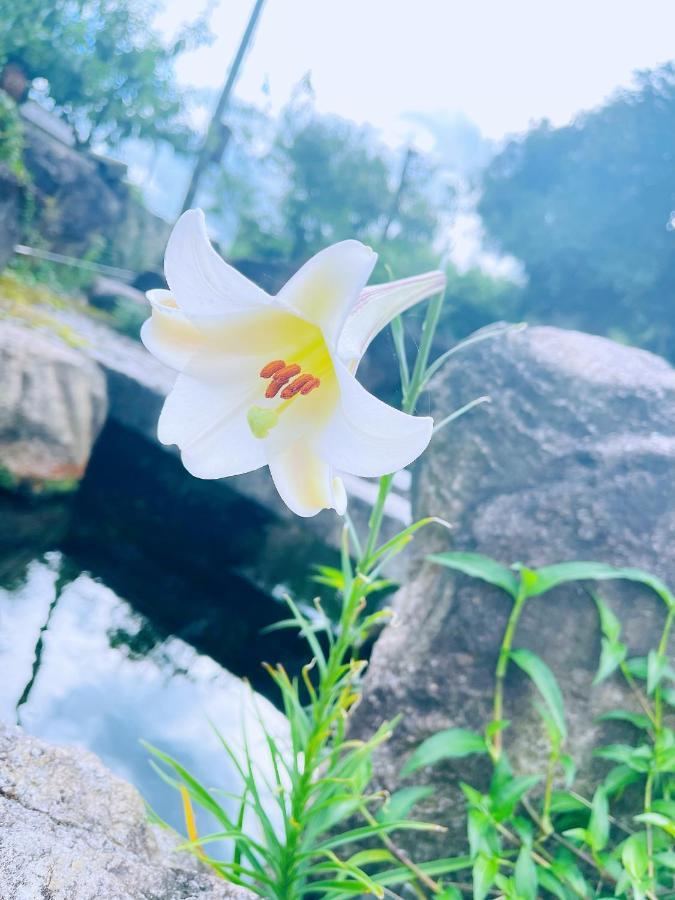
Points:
(500, 671)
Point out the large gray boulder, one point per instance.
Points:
(53, 403)
(76, 202)
(573, 459)
(71, 830)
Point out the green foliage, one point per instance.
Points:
(588, 209)
(11, 137)
(561, 842)
(450, 744)
(327, 835)
(338, 182)
(108, 73)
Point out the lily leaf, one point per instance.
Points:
(545, 683)
(452, 743)
(479, 566)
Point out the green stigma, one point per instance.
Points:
(261, 420)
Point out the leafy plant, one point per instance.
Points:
(327, 834)
(563, 844)
(11, 137)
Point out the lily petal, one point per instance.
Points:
(367, 437)
(207, 420)
(324, 290)
(378, 305)
(306, 482)
(200, 281)
(168, 334)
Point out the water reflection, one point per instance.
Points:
(81, 666)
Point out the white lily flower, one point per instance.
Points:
(269, 380)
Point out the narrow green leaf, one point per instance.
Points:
(619, 778)
(637, 666)
(478, 566)
(598, 825)
(623, 715)
(658, 819)
(666, 858)
(562, 802)
(482, 334)
(493, 727)
(401, 875)
(402, 539)
(398, 335)
(551, 884)
(401, 802)
(578, 834)
(526, 875)
(545, 682)
(611, 657)
(484, 873)
(509, 796)
(610, 625)
(449, 744)
(458, 413)
(634, 856)
(637, 758)
(656, 669)
(561, 573)
(368, 857)
(482, 834)
(569, 768)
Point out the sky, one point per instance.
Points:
(502, 63)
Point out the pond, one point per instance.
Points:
(104, 641)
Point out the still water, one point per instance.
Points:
(102, 646)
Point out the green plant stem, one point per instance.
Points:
(546, 824)
(650, 833)
(411, 386)
(662, 648)
(375, 521)
(402, 856)
(418, 376)
(500, 671)
(558, 838)
(322, 712)
(639, 696)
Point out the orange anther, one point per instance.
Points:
(273, 388)
(272, 367)
(284, 375)
(294, 387)
(309, 387)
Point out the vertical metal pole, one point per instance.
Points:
(399, 192)
(206, 149)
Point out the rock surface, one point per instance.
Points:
(75, 201)
(573, 459)
(53, 403)
(70, 830)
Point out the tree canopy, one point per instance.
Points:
(105, 70)
(589, 210)
(332, 179)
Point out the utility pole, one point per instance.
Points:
(214, 133)
(409, 154)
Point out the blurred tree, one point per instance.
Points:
(106, 71)
(333, 180)
(589, 209)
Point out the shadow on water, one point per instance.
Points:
(123, 616)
